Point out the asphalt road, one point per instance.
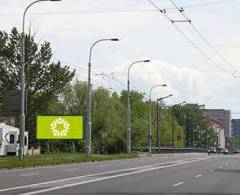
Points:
(191, 174)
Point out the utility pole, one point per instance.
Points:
(150, 119)
(88, 130)
(173, 139)
(184, 130)
(129, 131)
(159, 118)
(22, 117)
(158, 126)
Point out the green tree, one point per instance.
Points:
(45, 79)
(139, 117)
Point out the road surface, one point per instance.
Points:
(190, 174)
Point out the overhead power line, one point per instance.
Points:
(209, 3)
(183, 13)
(120, 11)
(96, 74)
(164, 13)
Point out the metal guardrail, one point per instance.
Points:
(170, 150)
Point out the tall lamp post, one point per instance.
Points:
(22, 85)
(129, 106)
(158, 119)
(172, 110)
(89, 109)
(150, 118)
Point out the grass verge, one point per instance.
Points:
(57, 159)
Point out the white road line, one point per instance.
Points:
(220, 167)
(197, 176)
(178, 184)
(29, 174)
(78, 177)
(137, 170)
(110, 177)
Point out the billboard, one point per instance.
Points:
(59, 127)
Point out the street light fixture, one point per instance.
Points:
(22, 85)
(150, 118)
(173, 137)
(165, 97)
(129, 106)
(88, 130)
(158, 119)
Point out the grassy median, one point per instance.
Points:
(57, 159)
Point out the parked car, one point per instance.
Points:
(212, 150)
(225, 151)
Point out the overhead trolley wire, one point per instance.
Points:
(164, 13)
(209, 3)
(182, 11)
(120, 11)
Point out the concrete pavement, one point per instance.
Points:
(159, 174)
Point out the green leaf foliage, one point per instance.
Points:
(45, 79)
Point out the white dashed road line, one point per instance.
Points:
(84, 179)
(197, 176)
(29, 174)
(178, 184)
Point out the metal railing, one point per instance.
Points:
(170, 150)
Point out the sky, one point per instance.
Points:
(72, 26)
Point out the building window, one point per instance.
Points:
(25, 141)
(12, 141)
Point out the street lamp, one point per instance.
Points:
(129, 106)
(89, 109)
(22, 84)
(158, 119)
(150, 118)
(173, 138)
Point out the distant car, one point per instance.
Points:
(225, 151)
(212, 150)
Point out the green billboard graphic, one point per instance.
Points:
(59, 127)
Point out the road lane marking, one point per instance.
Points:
(29, 174)
(178, 184)
(134, 170)
(220, 167)
(110, 177)
(90, 175)
(197, 176)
